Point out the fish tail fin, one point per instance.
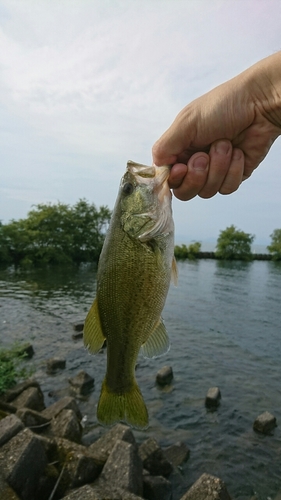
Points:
(128, 407)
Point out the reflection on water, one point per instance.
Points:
(224, 323)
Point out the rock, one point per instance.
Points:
(78, 326)
(9, 427)
(26, 350)
(213, 397)
(82, 382)
(153, 458)
(156, 488)
(77, 335)
(123, 468)
(47, 483)
(79, 466)
(101, 448)
(66, 425)
(6, 492)
(33, 419)
(265, 423)
(30, 398)
(105, 490)
(177, 453)
(84, 493)
(7, 407)
(54, 364)
(50, 447)
(66, 403)
(22, 463)
(207, 487)
(13, 393)
(164, 376)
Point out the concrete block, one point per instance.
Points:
(153, 458)
(9, 427)
(207, 487)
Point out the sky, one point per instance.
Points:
(86, 85)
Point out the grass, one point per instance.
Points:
(11, 367)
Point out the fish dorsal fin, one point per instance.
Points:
(92, 334)
(157, 343)
(174, 275)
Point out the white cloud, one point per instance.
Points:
(86, 85)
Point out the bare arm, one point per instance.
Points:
(218, 140)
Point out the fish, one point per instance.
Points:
(135, 268)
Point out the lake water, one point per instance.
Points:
(223, 320)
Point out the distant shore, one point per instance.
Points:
(212, 255)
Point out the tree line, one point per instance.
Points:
(55, 234)
(232, 244)
(63, 234)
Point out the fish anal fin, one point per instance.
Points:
(126, 407)
(174, 274)
(157, 343)
(92, 333)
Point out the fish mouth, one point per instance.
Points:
(144, 173)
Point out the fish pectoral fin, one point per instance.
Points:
(92, 333)
(157, 343)
(174, 274)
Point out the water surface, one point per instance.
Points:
(223, 320)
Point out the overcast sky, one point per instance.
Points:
(86, 85)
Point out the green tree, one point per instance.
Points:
(190, 252)
(55, 234)
(15, 242)
(234, 244)
(275, 246)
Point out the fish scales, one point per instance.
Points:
(133, 279)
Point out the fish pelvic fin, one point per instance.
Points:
(92, 333)
(157, 343)
(127, 407)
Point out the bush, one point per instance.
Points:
(275, 247)
(11, 369)
(190, 252)
(233, 244)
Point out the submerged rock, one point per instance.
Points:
(177, 453)
(165, 375)
(82, 383)
(78, 326)
(213, 397)
(265, 423)
(54, 364)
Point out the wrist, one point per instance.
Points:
(265, 85)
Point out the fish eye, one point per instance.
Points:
(128, 188)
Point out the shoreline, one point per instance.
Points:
(212, 255)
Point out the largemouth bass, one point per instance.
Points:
(133, 279)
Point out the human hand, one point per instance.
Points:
(218, 140)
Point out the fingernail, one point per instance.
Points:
(222, 147)
(200, 163)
